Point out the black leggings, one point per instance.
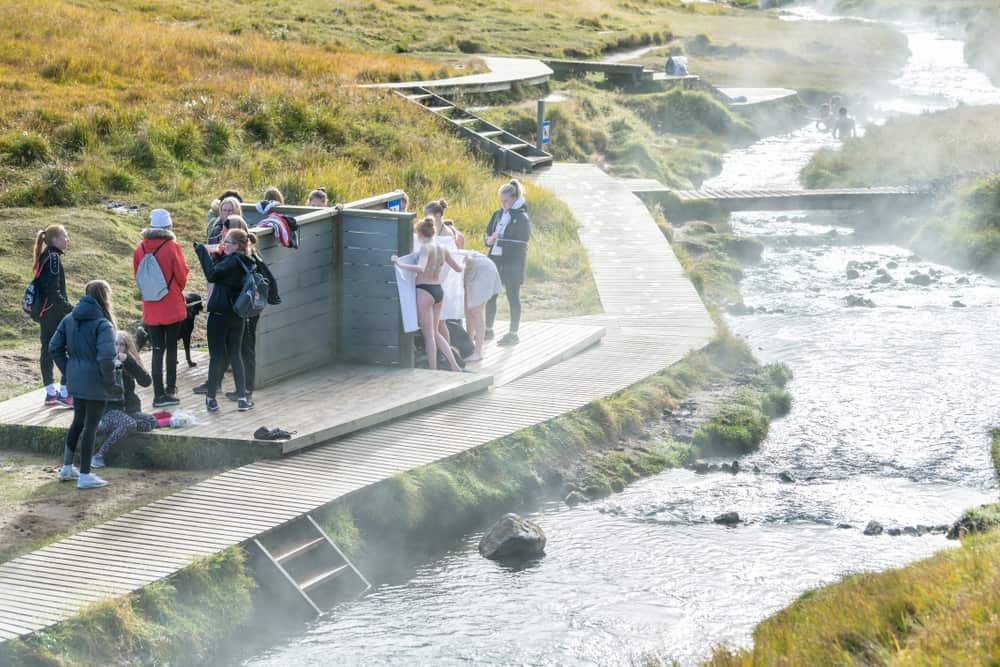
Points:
(49, 325)
(249, 348)
(86, 417)
(164, 339)
(225, 341)
(513, 291)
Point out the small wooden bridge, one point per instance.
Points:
(729, 201)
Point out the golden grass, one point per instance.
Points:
(941, 611)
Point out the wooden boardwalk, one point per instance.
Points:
(653, 317)
(783, 200)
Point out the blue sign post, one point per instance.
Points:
(546, 132)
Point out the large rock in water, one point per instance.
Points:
(512, 536)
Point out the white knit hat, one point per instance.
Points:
(160, 217)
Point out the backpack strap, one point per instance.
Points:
(47, 260)
(158, 249)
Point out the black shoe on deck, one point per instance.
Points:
(244, 405)
(211, 404)
(165, 401)
(509, 339)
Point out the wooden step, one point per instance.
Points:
(491, 133)
(419, 96)
(299, 550)
(514, 147)
(442, 108)
(537, 158)
(321, 579)
(465, 120)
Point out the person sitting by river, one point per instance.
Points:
(844, 128)
(430, 262)
(824, 122)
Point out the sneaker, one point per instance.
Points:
(165, 401)
(245, 404)
(64, 401)
(233, 396)
(201, 388)
(67, 473)
(211, 404)
(488, 335)
(51, 400)
(90, 481)
(97, 461)
(509, 339)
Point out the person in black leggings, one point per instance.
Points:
(51, 282)
(506, 239)
(83, 347)
(225, 327)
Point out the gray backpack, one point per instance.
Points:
(149, 276)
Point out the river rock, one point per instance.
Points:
(923, 530)
(735, 467)
(852, 274)
(727, 468)
(844, 526)
(921, 279)
(894, 532)
(873, 528)
(512, 536)
(883, 279)
(962, 281)
(882, 272)
(892, 265)
(727, 519)
(786, 477)
(574, 498)
(911, 531)
(957, 304)
(854, 301)
(700, 467)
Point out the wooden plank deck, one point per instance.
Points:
(653, 317)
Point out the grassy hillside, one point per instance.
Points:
(963, 225)
(102, 106)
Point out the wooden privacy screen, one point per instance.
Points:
(338, 292)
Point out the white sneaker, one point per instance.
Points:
(67, 473)
(90, 481)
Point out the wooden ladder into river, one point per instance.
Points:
(302, 555)
(509, 152)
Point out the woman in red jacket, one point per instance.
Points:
(164, 316)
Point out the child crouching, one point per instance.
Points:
(124, 416)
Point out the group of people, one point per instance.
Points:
(101, 366)
(834, 118)
(439, 244)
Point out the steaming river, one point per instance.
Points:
(890, 420)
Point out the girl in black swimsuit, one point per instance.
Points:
(431, 260)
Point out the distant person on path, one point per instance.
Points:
(227, 207)
(318, 197)
(215, 213)
(506, 237)
(225, 327)
(55, 306)
(825, 121)
(430, 260)
(158, 260)
(123, 414)
(482, 283)
(84, 349)
(844, 128)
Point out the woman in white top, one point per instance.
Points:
(430, 262)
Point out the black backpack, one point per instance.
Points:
(253, 294)
(33, 303)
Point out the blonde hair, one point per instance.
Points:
(45, 236)
(131, 350)
(100, 291)
(318, 193)
(234, 202)
(512, 188)
(274, 194)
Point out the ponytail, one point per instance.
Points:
(512, 188)
(45, 236)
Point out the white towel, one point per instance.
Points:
(406, 284)
(453, 284)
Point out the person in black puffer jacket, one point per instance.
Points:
(83, 348)
(506, 240)
(48, 267)
(124, 415)
(225, 327)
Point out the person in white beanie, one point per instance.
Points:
(163, 309)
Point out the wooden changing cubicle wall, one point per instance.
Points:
(339, 301)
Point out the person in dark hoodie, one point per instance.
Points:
(506, 240)
(48, 267)
(163, 318)
(124, 415)
(225, 327)
(83, 348)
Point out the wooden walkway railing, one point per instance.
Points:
(653, 316)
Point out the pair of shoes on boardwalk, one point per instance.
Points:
(243, 404)
(53, 400)
(83, 481)
(265, 433)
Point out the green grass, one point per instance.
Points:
(959, 147)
